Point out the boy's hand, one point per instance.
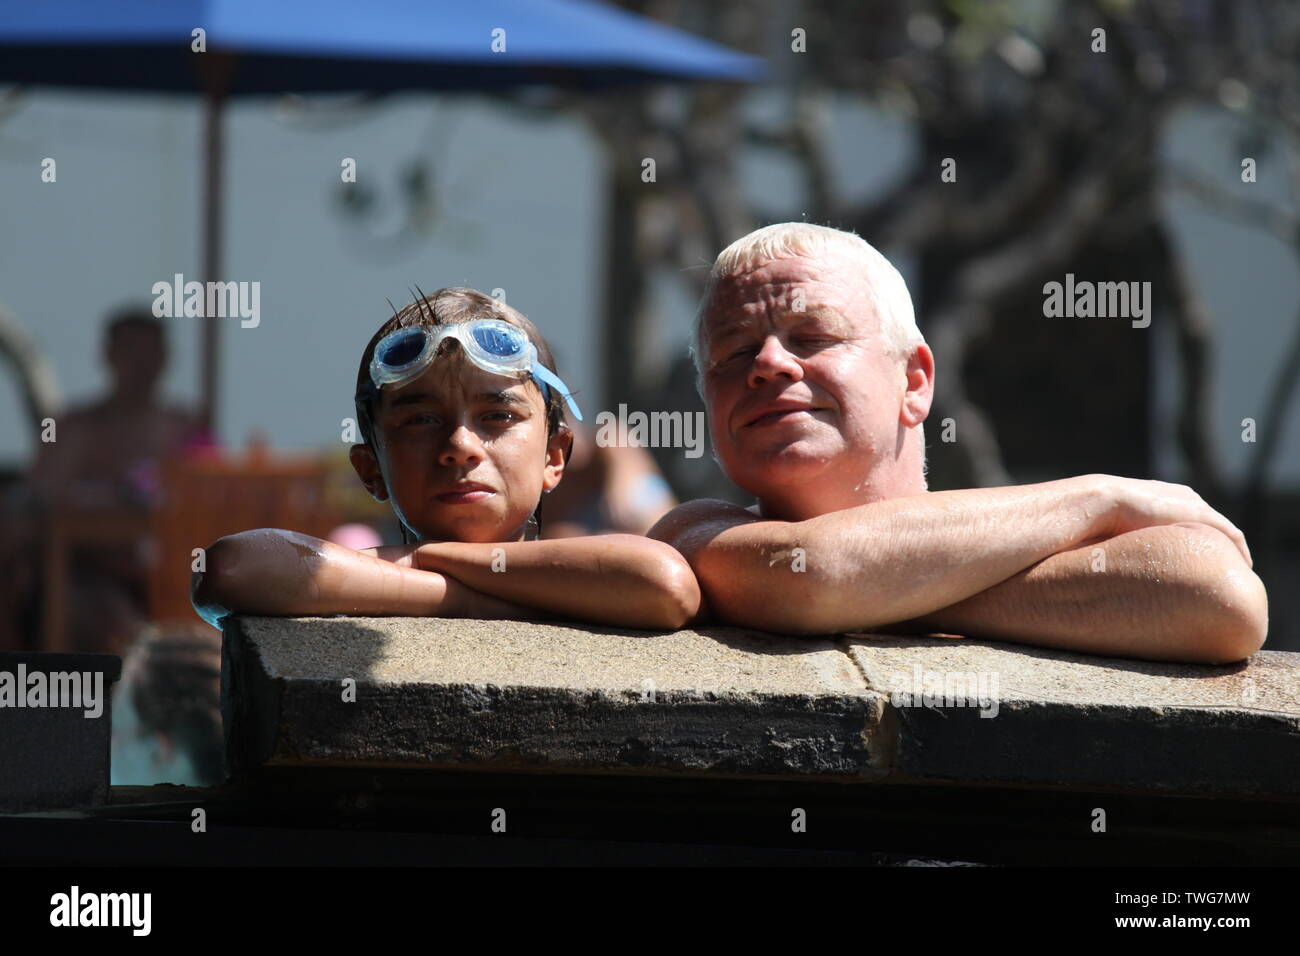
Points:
(620, 579)
(425, 555)
(461, 600)
(458, 600)
(399, 554)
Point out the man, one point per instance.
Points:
(104, 457)
(107, 450)
(817, 382)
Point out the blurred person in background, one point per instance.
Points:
(107, 451)
(167, 709)
(104, 458)
(606, 490)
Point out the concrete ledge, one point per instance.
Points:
(1094, 722)
(55, 754)
(505, 696)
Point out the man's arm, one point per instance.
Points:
(1177, 592)
(275, 572)
(865, 567)
(621, 579)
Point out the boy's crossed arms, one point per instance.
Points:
(617, 579)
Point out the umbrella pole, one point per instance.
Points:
(216, 76)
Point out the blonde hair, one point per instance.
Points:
(784, 240)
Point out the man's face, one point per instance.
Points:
(456, 424)
(136, 357)
(799, 387)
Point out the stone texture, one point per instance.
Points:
(505, 695)
(1100, 722)
(56, 757)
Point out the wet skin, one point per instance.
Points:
(455, 424)
(805, 334)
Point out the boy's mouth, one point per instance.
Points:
(465, 492)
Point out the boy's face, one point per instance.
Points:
(454, 425)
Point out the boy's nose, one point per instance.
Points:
(462, 445)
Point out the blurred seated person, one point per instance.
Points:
(104, 458)
(606, 489)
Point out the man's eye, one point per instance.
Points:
(502, 417)
(423, 418)
(739, 353)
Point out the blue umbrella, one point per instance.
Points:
(258, 47)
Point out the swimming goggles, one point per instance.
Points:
(491, 344)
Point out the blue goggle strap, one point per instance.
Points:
(549, 378)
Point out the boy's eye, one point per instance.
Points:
(423, 418)
(502, 417)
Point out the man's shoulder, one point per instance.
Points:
(82, 413)
(700, 508)
(176, 416)
(701, 514)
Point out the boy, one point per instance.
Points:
(461, 415)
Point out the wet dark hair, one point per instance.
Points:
(451, 306)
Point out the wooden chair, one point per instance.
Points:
(202, 499)
(65, 531)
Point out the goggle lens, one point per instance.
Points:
(497, 341)
(404, 350)
(402, 355)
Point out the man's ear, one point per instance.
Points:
(366, 465)
(920, 386)
(558, 448)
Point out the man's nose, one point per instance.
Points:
(774, 359)
(460, 447)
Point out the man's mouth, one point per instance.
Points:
(778, 412)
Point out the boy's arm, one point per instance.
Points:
(619, 579)
(1177, 592)
(283, 573)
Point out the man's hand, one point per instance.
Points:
(1132, 503)
(1176, 592)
